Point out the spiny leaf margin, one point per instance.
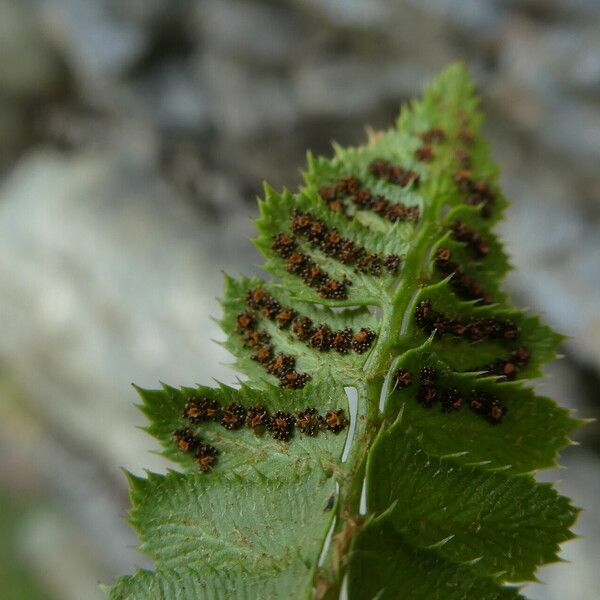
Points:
(382, 556)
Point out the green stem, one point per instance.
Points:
(369, 419)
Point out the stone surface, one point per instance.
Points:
(108, 280)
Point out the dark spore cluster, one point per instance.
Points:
(234, 416)
(463, 158)
(363, 199)
(383, 169)
(245, 321)
(507, 369)
(309, 422)
(319, 336)
(466, 136)
(473, 329)
(199, 410)
(363, 340)
(488, 406)
(402, 378)
(294, 380)
(433, 136)
(478, 246)
(281, 425)
(281, 365)
(330, 242)
(257, 417)
(451, 399)
(335, 420)
(425, 153)
(187, 441)
(475, 192)
(205, 457)
(302, 265)
(464, 286)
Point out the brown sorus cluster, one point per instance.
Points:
(304, 266)
(256, 297)
(321, 338)
(465, 286)
(382, 207)
(428, 375)
(187, 441)
(303, 328)
(233, 416)
(489, 407)
(245, 321)
(383, 169)
(335, 420)
(284, 244)
(507, 369)
(462, 157)
(294, 380)
(473, 329)
(428, 392)
(285, 317)
(341, 340)
(392, 262)
(264, 354)
(402, 378)
(206, 456)
(254, 338)
(198, 410)
(466, 136)
(309, 421)
(281, 425)
(281, 366)
(257, 417)
(363, 340)
(433, 136)
(334, 195)
(451, 399)
(318, 336)
(425, 153)
(330, 242)
(475, 193)
(461, 232)
(362, 198)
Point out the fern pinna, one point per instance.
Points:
(385, 289)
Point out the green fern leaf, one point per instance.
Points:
(385, 302)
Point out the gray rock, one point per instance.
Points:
(29, 66)
(350, 86)
(554, 243)
(253, 32)
(106, 278)
(171, 99)
(245, 103)
(354, 13)
(96, 43)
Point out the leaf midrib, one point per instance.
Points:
(391, 343)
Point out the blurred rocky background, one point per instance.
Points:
(134, 137)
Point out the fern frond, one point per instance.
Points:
(386, 279)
